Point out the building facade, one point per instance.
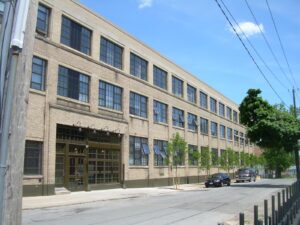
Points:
(103, 106)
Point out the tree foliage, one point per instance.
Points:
(205, 158)
(177, 148)
(278, 160)
(268, 126)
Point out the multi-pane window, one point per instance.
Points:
(221, 109)
(236, 137)
(213, 105)
(75, 36)
(222, 132)
(203, 125)
(242, 139)
(138, 151)
(138, 66)
(192, 122)
(42, 23)
(110, 96)
(191, 93)
(111, 53)
(214, 156)
(138, 105)
(235, 116)
(33, 158)
(160, 77)
(213, 129)
(177, 86)
(178, 117)
(160, 111)
(229, 133)
(203, 100)
(38, 73)
(192, 150)
(229, 113)
(73, 84)
(160, 152)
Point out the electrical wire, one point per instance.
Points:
(267, 42)
(280, 42)
(254, 49)
(249, 53)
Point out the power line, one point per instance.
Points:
(281, 45)
(249, 53)
(267, 43)
(254, 49)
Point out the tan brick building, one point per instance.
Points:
(102, 106)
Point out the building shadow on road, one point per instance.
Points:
(251, 185)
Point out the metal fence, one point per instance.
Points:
(284, 208)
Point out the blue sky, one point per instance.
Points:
(195, 35)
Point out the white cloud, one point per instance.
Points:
(248, 28)
(145, 3)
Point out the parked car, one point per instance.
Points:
(245, 174)
(218, 180)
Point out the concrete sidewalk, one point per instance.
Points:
(102, 195)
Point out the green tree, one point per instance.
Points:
(268, 126)
(228, 160)
(205, 159)
(278, 160)
(177, 149)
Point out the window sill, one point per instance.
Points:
(138, 117)
(27, 177)
(72, 100)
(204, 134)
(43, 93)
(193, 131)
(138, 167)
(216, 137)
(161, 167)
(160, 123)
(223, 139)
(110, 110)
(178, 128)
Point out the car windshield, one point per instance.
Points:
(244, 171)
(215, 176)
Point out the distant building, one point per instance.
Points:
(103, 106)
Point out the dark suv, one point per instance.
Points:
(245, 174)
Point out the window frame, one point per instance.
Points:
(111, 53)
(206, 131)
(138, 156)
(191, 150)
(73, 32)
(42, 76)
(160, 152)
(222, 131)
(213, 102)
(67, 78)
(177, 86)
(158, 116)
(136, 103)
(117, 93)
(203, 105)
(221, 109)
(192, 122)
(160, 78)
(191, 97)
(178, 120)
(228, 116)
(39, 159)
(136, 60)
(43, 32)
(213, 132)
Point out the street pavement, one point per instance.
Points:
(192, 204)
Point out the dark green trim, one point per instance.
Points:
(38, 190)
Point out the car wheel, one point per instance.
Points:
(206, 186)
(228, 184)
(243, 181)
(250, 180)
(238, 181)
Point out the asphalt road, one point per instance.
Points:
(206, 206)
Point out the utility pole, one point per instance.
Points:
(15, 80)
(296, 150)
